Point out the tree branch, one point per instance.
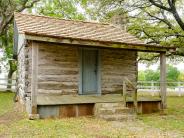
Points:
(7, 10)
(160, 6)
(171, 9)
(175, 13)
(148, 59)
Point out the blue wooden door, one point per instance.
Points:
(89, 71)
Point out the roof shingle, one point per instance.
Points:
(53, 27)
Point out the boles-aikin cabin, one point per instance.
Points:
(66, 67)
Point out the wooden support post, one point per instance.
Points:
(34, 81)
(163, 87)
(135, 100)
(124, 92)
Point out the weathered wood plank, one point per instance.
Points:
(57, 85)
(34, 82)
(57, 78)
(163, 87)
(58, 69)
(60, 64)
(76, 99)
(117, 64)
(60, 91)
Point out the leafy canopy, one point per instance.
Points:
(173, 74)
(153, 21)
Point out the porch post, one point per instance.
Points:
(34, 84)
(163, 87)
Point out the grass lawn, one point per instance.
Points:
(6, 102)
(173, 118)
(15, 124)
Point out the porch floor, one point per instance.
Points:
(81, 99)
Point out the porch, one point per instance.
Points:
(61, 106)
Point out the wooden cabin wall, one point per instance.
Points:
(58, 69)
(116, 64)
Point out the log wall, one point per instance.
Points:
(58, 69)
(116, 64)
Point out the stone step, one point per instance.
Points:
(109, 105)
(115, 110)
(118, 117)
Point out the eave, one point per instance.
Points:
(98, 44)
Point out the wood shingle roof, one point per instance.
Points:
(61, 28)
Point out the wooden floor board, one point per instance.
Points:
(81, 99)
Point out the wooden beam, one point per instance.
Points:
(79, 42)
(163, 87)
(124, 92)
(34, 80)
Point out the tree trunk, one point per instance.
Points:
(9, 82)
(10, 73)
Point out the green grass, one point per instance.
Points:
(155, 125)
(80, 127)
(6, 102)
(173, 119)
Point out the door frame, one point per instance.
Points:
(98, 70)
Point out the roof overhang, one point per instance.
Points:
(100, 44)
(97, 44)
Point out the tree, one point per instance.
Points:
(7, 45)
(59, 8)
(171, 8)
(181, 77)
(151, 75)
(141, 76)
(68, 9)
(153, 21)
(172, 73)
(7, 9)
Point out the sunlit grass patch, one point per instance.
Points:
(6, 102)
(172, 120)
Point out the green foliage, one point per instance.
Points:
(68, 9)
(149, 23)
(181, 76)
(141, 76)
(151, 75)
(6, 43)
(173, 74)
(7, 9)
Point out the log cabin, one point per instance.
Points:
(67, 67)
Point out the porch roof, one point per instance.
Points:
(43, 28)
